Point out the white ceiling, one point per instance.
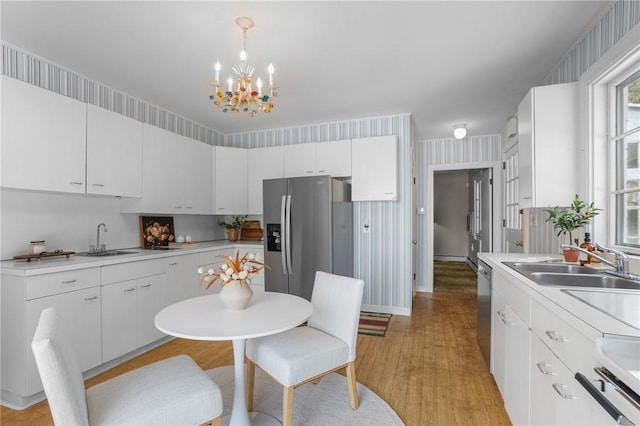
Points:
(445, 62)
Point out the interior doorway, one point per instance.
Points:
(479, 226)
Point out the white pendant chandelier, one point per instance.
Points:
(243, 98)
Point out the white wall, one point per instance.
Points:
(451, 206)
(69, 222)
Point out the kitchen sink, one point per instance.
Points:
(563, 268)
(584, 280)
(107, 253)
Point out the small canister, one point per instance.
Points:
(37, 247)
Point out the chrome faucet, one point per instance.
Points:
(98, 246)
(621, 264)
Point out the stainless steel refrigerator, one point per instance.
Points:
(309, 228)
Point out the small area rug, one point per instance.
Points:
(454, 277)
(373, 323)
(326, 403)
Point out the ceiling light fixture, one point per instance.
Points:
(244, 98)
(460, 131)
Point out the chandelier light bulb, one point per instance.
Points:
(459, 131)
(217, 68)
(243, 55)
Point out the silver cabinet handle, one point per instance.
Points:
(145, 286)
(544, 369)
(76, 183)
(501, 314)
(558, 388)
(129, 290)
(554, 336)
(68, 282)
(90, 298)
(173, 264)
(97, 184)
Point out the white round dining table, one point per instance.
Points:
(206, 318)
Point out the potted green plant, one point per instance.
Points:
(232, 227)
(566, 220)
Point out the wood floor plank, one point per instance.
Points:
(428, 367)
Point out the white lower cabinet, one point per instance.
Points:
(510, 347)
(132, 294)
(182, 277)
(76, 297)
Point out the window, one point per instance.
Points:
(626, 139)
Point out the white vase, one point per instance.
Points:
(236, 296)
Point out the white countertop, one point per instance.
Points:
(61, 264)
(574, 308)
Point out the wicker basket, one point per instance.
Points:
(251, 231)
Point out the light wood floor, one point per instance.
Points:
(428, 367)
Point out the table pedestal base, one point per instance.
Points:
(257, 419)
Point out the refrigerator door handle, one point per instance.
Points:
(283, 234)
(288, 235)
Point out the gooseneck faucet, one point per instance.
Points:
(621, 263)
(104, 227)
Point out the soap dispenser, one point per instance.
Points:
(587, 245)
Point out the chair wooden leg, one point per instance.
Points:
(287, 406)
(316, 381)
(351, 383)
(250, 378)
(217, 421)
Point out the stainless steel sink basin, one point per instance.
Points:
(106, 253)
(584, 280)
(563, 268)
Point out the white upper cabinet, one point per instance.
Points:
(374, 168)
(547, 145)
(114, 153)
(334, 158)
(263, 163)
(43, 139)
(197, 177)
(300, 160)
(230, 180)
(321, 158)
(177, 175)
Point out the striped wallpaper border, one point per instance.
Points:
(614, 24)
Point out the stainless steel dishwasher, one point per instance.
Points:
(484, 311)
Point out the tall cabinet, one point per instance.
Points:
(548, 149)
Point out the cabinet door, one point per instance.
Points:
(516, 396)
(80, 313)
(182, 278)
(498, 340)
(300, 160)
(334, 158)
(374, 169)
(547, 118)
(197, 177)
(114, 153)
(43, 139)
(263, 163)
(543, 370)
(119, 318)
(151, 300)
(230, 180)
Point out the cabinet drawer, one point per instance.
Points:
(212, 257)
(131, 270)
(62, 282)
(519, 301)
(573, 348)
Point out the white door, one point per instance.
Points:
(512, 218)
(482, 237)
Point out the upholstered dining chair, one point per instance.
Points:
(169, 392)
(304, 354)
